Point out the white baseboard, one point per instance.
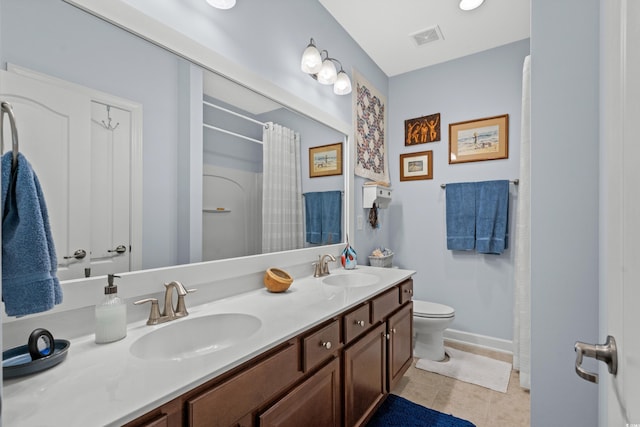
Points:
(482, 341)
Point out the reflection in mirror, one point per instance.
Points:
(133, 186)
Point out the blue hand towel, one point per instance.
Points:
(29, 263)
(331, 217)
(313, 217)
(492, 216)
(461, 216)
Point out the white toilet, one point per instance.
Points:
(429, 322)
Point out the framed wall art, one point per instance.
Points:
(422, 129)
(478, 140)
(414, 166)
(325, 160)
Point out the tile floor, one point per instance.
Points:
(481, 406)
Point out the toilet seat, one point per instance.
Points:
(432, 310)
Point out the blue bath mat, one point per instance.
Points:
(400, 412)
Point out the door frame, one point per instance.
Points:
(616, 134)
(136, 176)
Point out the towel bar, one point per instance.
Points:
(5, 107)
(514, 182)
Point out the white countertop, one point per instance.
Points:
(104, 384)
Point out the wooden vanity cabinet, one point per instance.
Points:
(315, 402)
(375, 363)
(335, 374)
(400, 344)
(226, 403)
(364, 375)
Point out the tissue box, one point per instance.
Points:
(381, 261)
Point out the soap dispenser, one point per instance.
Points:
(111, 315)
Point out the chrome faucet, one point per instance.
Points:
(169, 312)
(321, 268)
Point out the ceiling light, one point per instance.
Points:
(222, 4)
(342, 86)
(470, 4)
(311, 59)
(321, 67)
(328, 73)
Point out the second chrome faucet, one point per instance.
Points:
(168, 312)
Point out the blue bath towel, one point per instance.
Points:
(461, 216)
(492, 216)
(29, 263)
(331, 217)
(313, 216)
(323, 216)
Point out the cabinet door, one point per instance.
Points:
(316, 402)
(400, 343)
(228, 402)
(364, 375)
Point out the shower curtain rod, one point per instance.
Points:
(235, 114)
(232, 133)
(514, 182)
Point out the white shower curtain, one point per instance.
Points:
(522, 255)
(282, 218)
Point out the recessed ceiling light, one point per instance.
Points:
(222, 4)
(470, 4)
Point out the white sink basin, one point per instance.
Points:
(195, 337)
(351, 280)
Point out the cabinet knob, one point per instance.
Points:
(326, 344)
(387, 336)
(393, 330)
(359, 323)
(409, 291)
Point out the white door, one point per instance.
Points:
(53, 128)
(110, 189)
(620, 394)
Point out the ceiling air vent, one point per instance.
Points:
(427, 36)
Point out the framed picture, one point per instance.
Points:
(422, 129)
(325, 160)
(477, 140)
(415, 166)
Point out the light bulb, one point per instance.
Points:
(327, 74)
(222, 4)
(470, 4)
(342, 86)
(311, 60)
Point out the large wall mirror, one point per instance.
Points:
(175, 149)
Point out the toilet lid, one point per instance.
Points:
(431, 309)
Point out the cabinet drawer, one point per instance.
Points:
(406, 291)
(356, 323)
(320, 345)
(228, 402)
(383, 305)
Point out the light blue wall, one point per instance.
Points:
(479, 287)
(564, 207)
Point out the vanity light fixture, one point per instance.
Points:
(322, 68)
(470, 4)
(222, 4)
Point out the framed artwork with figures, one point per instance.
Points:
(422, 130)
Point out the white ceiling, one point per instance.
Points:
(383, 29)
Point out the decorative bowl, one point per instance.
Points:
(277, 280)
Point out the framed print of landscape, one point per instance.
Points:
(478, 140)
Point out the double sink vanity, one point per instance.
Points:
(325, 352)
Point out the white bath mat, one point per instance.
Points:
(471, 368)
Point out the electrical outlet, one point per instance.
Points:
(360, 222)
